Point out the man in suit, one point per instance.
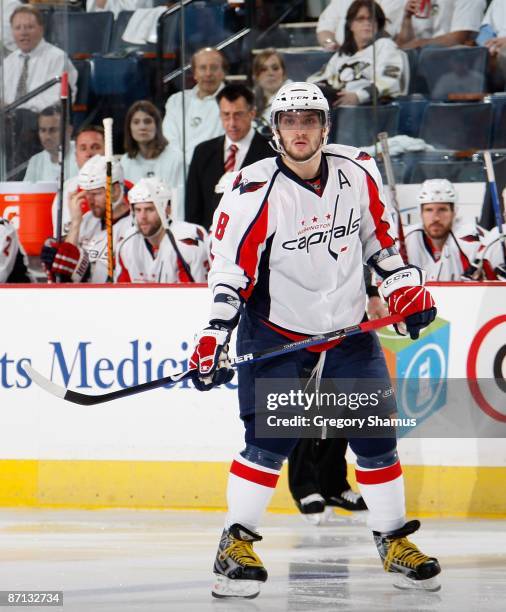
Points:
(215, 161)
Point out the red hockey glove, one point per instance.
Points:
(210, 358)
(407, 296)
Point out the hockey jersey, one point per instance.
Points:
(139, 263)
(356, 73)
(13, 261)
(93, 239)
(458, 253)
(295, 256)
(493, 255)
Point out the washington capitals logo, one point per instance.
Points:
(363, 155)
(246, 186)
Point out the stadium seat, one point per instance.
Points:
(300, 65)
(455, 171)
(453, 70)
(358, 126)
(81, 104)
(458, 127)
(81, 34)
(411, 112)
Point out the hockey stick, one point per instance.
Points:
(383, 138)
(108, 197)
(179, 256)
(283, 349)
(64, 95)
(496, 203)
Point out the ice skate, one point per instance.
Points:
(348, 500)
(238, 570)
(400, 556)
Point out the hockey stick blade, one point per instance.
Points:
(91, 400)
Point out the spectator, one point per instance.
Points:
(83, 255)
(216, 160)
(269, 74)
(351, 71)
(89, 142)
(34, 62)
(451, 22)
(44, 166)
(493, 35)
(330, 28)
(148, 153)
(13, 260)
(202, 117)
(116, 6)
(8, 7)
(493, 255)
(440, 245)
(154, 254)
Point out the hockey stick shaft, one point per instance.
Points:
(108, 197)
(496, 203)
(283, 349)
(383, 138)
(64, 96)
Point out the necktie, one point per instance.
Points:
(21, 88)
(230, 161)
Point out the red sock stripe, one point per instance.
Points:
(248, 473)
(386, 474)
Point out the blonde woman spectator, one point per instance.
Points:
(148, 153)
(269, 74)
(350, 72)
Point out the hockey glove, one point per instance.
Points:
(48, 253)
(210, 358)
(500, 272)
(407, 296)
(70, 262)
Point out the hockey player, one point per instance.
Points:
(13, 261)
(441, 245)
(290, 237)
(493, 255)
(82, 257)
(160, 250)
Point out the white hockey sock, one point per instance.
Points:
(383, 492)
(249, 491)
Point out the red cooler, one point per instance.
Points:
(28, 207)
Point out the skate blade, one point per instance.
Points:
(225, 587)
(404, 583)
(319, 518)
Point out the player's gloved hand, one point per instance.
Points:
(472, 273)
(210, 358)
(66, 260)
(48, 253)
(407, 296)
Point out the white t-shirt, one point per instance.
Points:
(41, 168)
(333, 17)
(46, 62)
(354, 73)
(168, 167)
(202, 120)
(496, 17)
(446, 16)
(116, 6)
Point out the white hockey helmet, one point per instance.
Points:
(299, 96)
(151, 190)
(437, 190)
(93, 173)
